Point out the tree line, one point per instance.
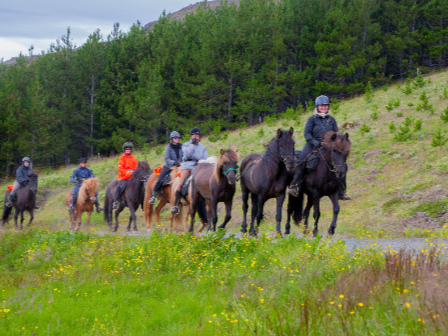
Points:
(219, 69)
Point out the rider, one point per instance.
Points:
(126, 166)
(316, 127)
(22, 180)
(193, 151)
(79, 175)
(173, 158)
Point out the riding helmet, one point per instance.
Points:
(195, 130)
(82, 160)
(128, 145)
(322, 100)
(174, 135)
(26, 158)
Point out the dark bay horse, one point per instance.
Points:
(84, 203)
(265, 176)
(25, 200)
(324, 180)
(133, 195)
(215, 183)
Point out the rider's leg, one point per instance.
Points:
(165, 170)
(72, 201)
(298, 175)
(117, 198)
(14, 190)
(343, 189)
(99, 209)
(184, 173)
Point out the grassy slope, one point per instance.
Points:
(381, 169)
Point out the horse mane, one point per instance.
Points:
(340, 144)
(173, 172)
(33, 174)
(272, 146)
(229, 155)
(142, 167)
(91, 183)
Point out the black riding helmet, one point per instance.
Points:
(81, 160)
(195, 130)
(322, 100)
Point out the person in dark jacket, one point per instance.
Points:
(21, 181)
(173, 158)
(79, 175)
(316, 127)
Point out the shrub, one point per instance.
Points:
(431, 208)
(439, 138)
(425, 105)
(270, 120)
(159, 150)
(261, 132)
(364, 129)
(393, 104)
(407, 89)
(419, 82)
(418, 124)
(403, 134)
(408, 121)
(374, 114)
(410, 104)
(444, 115)
(368, 93)
(334, 105)
(399, 114)
(392, 127)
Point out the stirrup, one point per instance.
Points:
(175, 210)
(115, 205)
(70, 209)
(152, 200)
(8, 204)
(99, 209)
(345, 198)
(36, 207)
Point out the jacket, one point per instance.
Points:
(81, 173)
(170, 156)
(316, 126)
(192, 154)
(126, 165)
(22, 174)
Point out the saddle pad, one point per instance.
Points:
(157, 170)
(186, 185)
(10, 187)
(312, 162)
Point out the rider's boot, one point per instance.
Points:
(72, 203)
(36, 207)
(152, 200)
(117, 197)
(99, 209)
(9, 202)
(295, 184)
(175, 209)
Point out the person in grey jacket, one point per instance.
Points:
(316, 127)
(193, 151)
(21, 180)
(173, 158)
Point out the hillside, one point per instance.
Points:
(398, 187)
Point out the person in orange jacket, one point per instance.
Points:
(126, 166)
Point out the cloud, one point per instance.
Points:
(28, 22)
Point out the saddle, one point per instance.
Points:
(166, 180)
(312, 162)
(186, 185)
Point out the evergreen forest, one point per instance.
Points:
(217, 69)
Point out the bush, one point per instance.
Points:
(334, 105)
(418, 124)
(368, 93)
(392, 127)
(393, 104)
(439, 138)
(407, 89)
(419, 82)
(403, 134)
(364, 129)
(261, 132)
(425, 105)
(270, 120)
(374, 114)
(408, 121)
(399, 114)
(444, 115)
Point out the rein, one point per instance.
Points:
(239, 176)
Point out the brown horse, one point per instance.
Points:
(265, 176)
(84, 203)
(185, 202)
(215, 183)
(25, 200)
(164, 196)
(133, 196)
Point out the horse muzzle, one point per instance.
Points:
(93, 199)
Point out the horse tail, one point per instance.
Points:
(148, 208)
(202, 210)
(107, 204)
(6, 212)
(295, 207)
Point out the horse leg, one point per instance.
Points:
(316, 214)
(288, 216)
(16, 216)
(254, 213)
(193, 209)
(245, 197)
(21, 220)
(159, 208)
(132, 217)
(306, 214)
(117, 212)
(228, 214)
(31, 217)
(278, 216)
(335, 200)
(89, 213)
(213, 213)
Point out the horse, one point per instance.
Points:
(185, 202)
(267, 176)
(164, 196)
(25, 200)
(84, 203)
(215, 183)
(133, 196)
(324, 180)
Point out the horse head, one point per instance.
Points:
(89, 188)
(285, 147)
(33, 182)
(227, 165)
(142, 171)
(340, 147)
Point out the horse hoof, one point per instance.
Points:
(287, 232)
(331, 231)
(221, 227)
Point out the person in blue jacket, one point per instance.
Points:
(79, 175)
(21, 180)
(316, 127)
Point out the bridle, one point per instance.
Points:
(332, 161)
(284, 158)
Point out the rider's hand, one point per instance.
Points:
(194, 141)
(316, 143)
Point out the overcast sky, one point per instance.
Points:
(40, 22)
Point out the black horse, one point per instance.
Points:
(265, 176)
(25, 200)
(133, 196)
(324, 180)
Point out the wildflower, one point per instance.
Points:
(341, 296)
(332, 302)
(262, 300)
(352, 312)
(361, 304)
(6, 310)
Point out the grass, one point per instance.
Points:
(58, 283)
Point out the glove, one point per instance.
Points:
(316, 143)
(176, 164)
(24, 183)
(194, 141)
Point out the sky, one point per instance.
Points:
(41, 22)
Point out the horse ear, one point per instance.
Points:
(291, 130)
(346, 135)
(236, 150)
(333, 137)
(222, 152)
(279, 133)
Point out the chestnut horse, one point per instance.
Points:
(84, 203)
(164, 196)
(215, 183)
(133, 196)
